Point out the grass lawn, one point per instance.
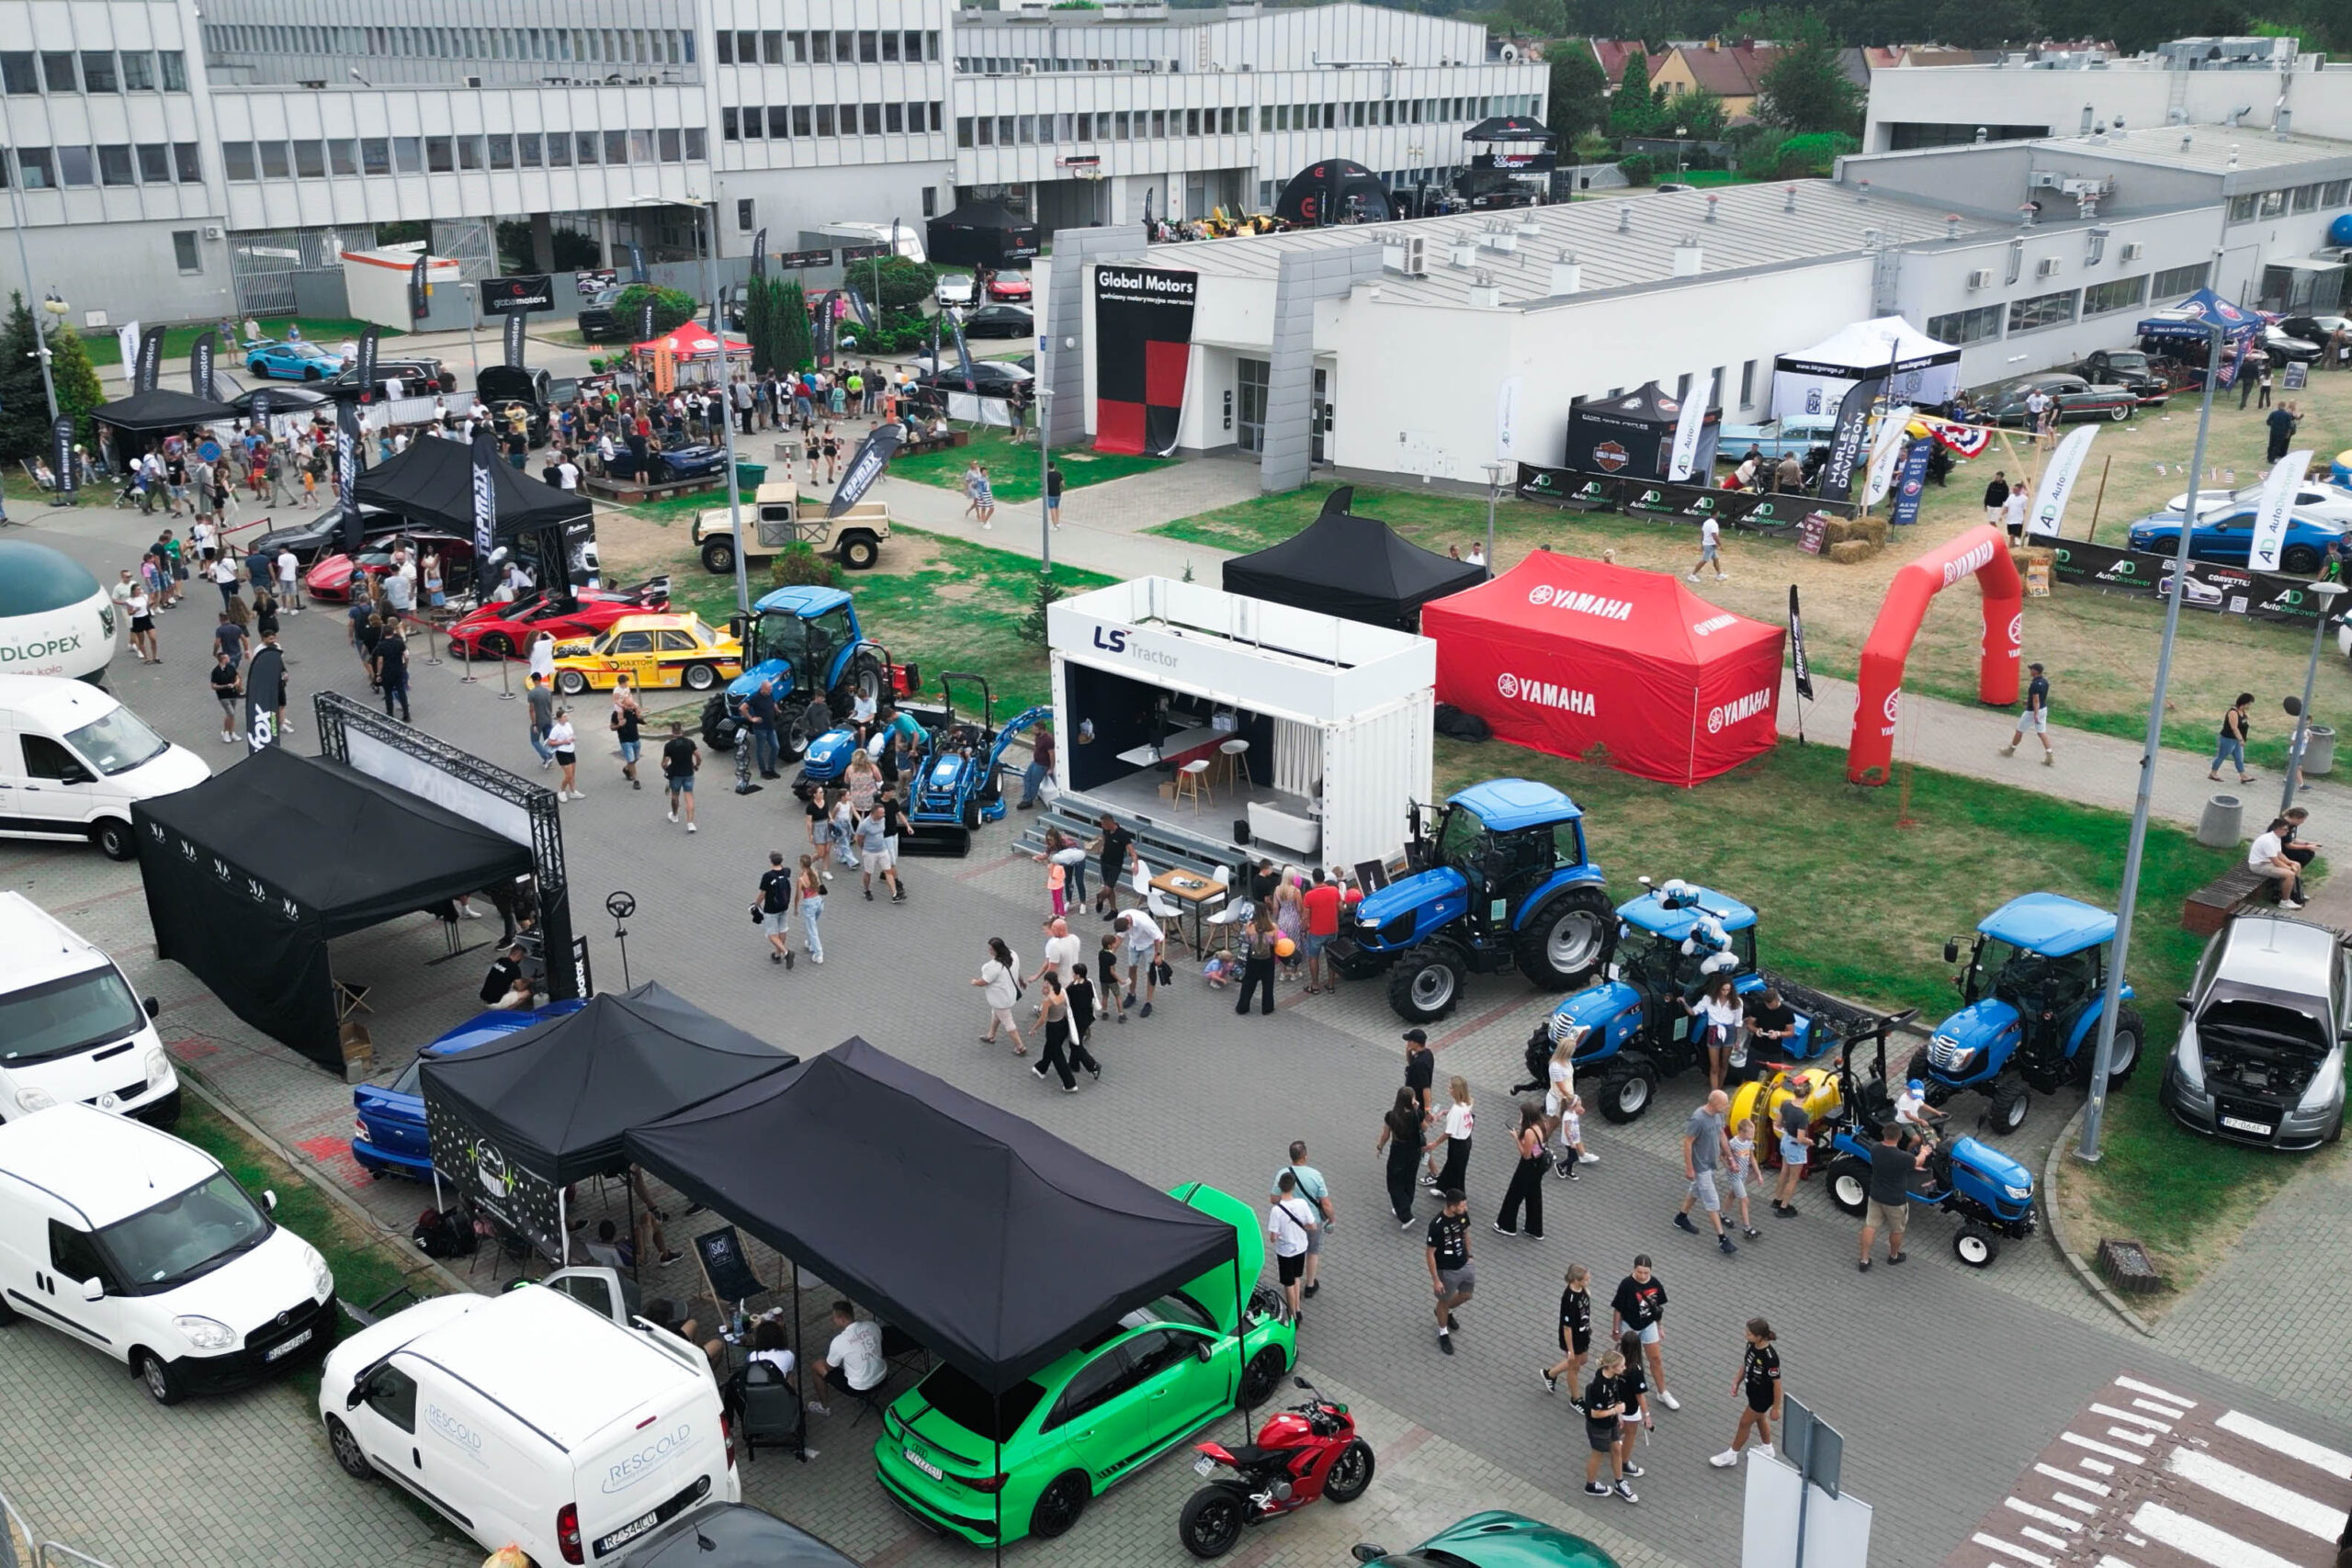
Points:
(1871, 925)
(1012, 470)
(2101, 650)
(105, 348)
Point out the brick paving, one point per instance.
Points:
(1193, 1091)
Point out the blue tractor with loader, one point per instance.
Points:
(2032, 998)
(1499, 880)
(960, 784)
(806, 640)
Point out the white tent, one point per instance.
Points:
(1815, 380)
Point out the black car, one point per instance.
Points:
(731, 1535)
(2285, 347)
(1000, 321)
(2005, 403)
(418, 377)
(2127, 367)
(599, 321)
(504, 388)
(2314, 329)
(991, 378)
(322, 534)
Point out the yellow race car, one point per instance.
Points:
(652, 651)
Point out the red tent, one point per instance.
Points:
(1563, 654)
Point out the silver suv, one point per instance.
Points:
(2260, 1058)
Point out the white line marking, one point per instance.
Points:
(2195, 1538)
(2136, 1386)
(2006, 1550)
(2145, 1440)
(2159, 1409)
(2127, 1415)
(2107, 1449)
(2042, 1536)
(2068, 1500)
(2071, 1479)
(2263, 1496)
(2095, 1465)
(2113, 1562)
(2044, 1515)
(2288, 1443)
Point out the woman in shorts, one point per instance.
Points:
(1760, 1380)
(563, 743)
(1796, 1152)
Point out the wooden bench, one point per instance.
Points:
(2208, 909)
(630, 491)
(946, 442)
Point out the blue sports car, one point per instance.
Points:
(292, 361)
(2227, 537)
(389, 1139)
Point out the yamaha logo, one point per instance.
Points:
(1709, 627)
(1545, 695)
(1726, 714)
(1540, 594)
(1969, 564)
(1598, 604)
(1893, 707)
(2016, 632)
(1507, 685)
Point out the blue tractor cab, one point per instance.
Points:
(807, 640)
(2032, 997)
(1500, 880)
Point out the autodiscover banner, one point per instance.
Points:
(1589, 659)
(1143, 350)
(2222, 590)
(1764, 512)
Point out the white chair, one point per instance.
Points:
(1156, 904)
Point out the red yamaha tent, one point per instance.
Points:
(1563, 654)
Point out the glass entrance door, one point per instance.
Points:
(1249, 424)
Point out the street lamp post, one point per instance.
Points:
(1681, 131)
(40, 345)
(2327, 593)
(1045, 469)
(1496, 471)
(2103, 1053)
(471, 290)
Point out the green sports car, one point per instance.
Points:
(1493, 1539)
(1096, 1415)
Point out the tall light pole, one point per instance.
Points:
(2327, 593)
(1496, 470)
(1045, 469)
(2103, 1055)
(472, 291)
(707, 232)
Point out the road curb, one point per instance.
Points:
(2051, 1166)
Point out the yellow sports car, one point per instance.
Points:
(652, 651)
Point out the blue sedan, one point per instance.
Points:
(292, 361)
(390, 1137)
(2227, 537)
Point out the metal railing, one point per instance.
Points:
(21, 1546)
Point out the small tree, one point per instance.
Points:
(672, 308)
(793, 346)
(78, 392)
(1633, 111)
(904, 284)
(1638, 168)
(1033, 625)
(1698, 113)
(24, 412)
(1806, 87)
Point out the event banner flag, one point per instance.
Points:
(1912, 488)
(514, 339)
(820, 333)
(1798, 663)
(364, 374)
(2223, 590)
(2276, 509)
(148, 373)
(1688, 425)
(873, 456)
(420, 291)
(261, 404)
(1507, 418)
(199, 366)
(645, 318)
(2057, 486)
(346, 471)
(636, 267)
(61, 455)
(265, 687)
(1846, 440)
(1764, 512)
(125, 344)
(1143, 350)
(760, 254)
(858, 306)
(1886, 453)
(964, 355)
(485, 455)
(521, 294)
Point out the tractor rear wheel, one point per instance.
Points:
(1425, 982)
(1630, 1087)
(2129, 1033)
(2012, 1101)
(1567, 940)
(864, 678)
(717, 725)
(1849, 1185)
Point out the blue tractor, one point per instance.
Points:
(960, 786)
(1502, 881)
(2033, 990)
(807, 640)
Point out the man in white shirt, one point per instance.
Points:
(1062, 950)
(1290, 1224)
(1140, 935)
(290, 581)
(566, 473)
(853, 1362)
(2266, 856)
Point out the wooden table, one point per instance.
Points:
(1196, 892)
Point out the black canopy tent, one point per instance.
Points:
(1356, 567)
(1514, 141)
(1632, 436)
(251, 873)
(519, 1119)
(161, 408)
(1334, 190)
(980, 233)
(432, 482)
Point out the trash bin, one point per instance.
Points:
(750, 476)
(2223, 824)
(2319, 750)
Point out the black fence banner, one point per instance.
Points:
(199, 366)
(1761, 512)
(516, 339)
(802, 260)
(2212, 587)
(1143, 350)
(519, 295)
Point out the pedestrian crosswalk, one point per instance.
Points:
(2143, 1477)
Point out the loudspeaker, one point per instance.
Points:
(1241, 830)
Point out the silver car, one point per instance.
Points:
(2260, 1058)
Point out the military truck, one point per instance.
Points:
(778, 519)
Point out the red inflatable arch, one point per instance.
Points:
(1983, 552)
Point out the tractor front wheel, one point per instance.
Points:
(1849, 1185)
(717, 725)
(2012, 1101)
(2129, 1033)
(1975, 1246)
(1629, 1088)
(1567, 940)
(1425, 983)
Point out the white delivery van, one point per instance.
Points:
(129, 1240)
(532, 1419)
(70, 1027)
(72, 760)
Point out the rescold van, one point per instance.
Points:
(70, 1027)
(72, 760)
(532, 1419)
(128, 1240)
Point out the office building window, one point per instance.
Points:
(1158, 123)
(188, 167)
(894, 117)
(929, 196)
(1025, 130)
(374, 154)
(114, 164)
(470, 153)
(501, 151)
(75, 166)
(802, 120)
(913, 45)
(779, 127)
(731, 128)
(640, 147)
(17, 71)
(527, 149)
(1980, 325)
(1747, 384)
(154, 163)
(2169, 284)
(583, 149)
(869, 49)
(36, 168)
(57, 71)
(963, 130)
(174, 66)
(849, 120)
(2274, 202)
(2330, 194)
(824, 120)
(2304, 197)
(871, 115)
(559, 149)
(616, 148)
(185, 251)
(726, 47)
(844, 46)
(672, 146)
(138, 70)
(310, 160)
(342, 158)
(2120, 294)
(440, 154)
(98, 71)
(2041, 311)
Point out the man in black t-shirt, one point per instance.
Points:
(1607, 1401)
(1889, 1199)
(1575, 1333)
(1420, 1072)
(1447, 1253)
(680, 758)
(1772, 1023)
(388, 664)
(774, 902)
(1118, 856)
(502, 975)
(224, 687)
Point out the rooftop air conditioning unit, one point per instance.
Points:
(2134, 251)
(1416, 259)
(2048, 266)
(1981, 278)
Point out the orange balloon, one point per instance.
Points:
(1284, 947)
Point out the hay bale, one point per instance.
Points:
(1874, 529)
(1836, 530)
(1846, 552)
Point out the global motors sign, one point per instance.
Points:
(1724, 714)
(1174, 287)
(1544, 595)
(1543, 695)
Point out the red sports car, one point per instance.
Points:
(504, 630)
(330, 576)
(1009, 285)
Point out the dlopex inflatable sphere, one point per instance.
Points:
(54, 618)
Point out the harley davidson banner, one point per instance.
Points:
(2222, 590)
(1846, 443)
(1143, 351)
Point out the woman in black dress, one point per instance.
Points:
(1401, 1135)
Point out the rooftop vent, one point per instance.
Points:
(1624, 218)
(1789, 198)
(1567, 278)
(1688, 259)
(1711, 207)
(1951, 225)
(1461, 251)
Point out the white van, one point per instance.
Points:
(125, 1238)
(850, 232)
(70, 1027)
(72, 760)
(532, 1419)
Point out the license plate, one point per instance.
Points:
(1205, 1465)
(304, 1338)
(2260, 1130)
(628, 1532)
(925, 1465)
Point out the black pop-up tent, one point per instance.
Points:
(1334, 190)
(250, 874)
(1630, 436)
(980, 233)
(160, 409)
(995, 1243)
(432, 482)
(1514, 141)
(1356, 567)
(518, 1119)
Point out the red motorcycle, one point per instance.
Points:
(1307, 1451)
